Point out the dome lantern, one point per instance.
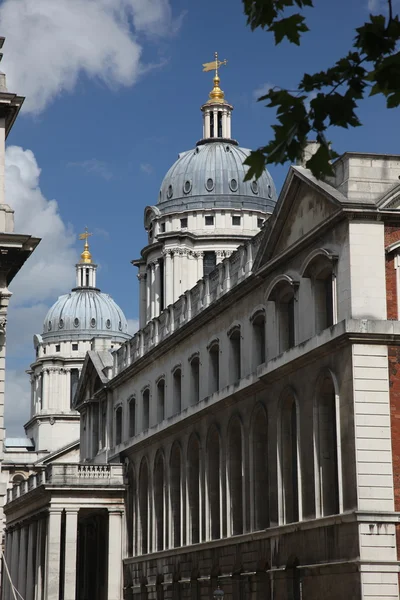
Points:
(86, 269)
(216, 111)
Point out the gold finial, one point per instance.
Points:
(216, 94)
(86, 257)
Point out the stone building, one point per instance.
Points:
(245, 439)
(83, 320)
(15, 248)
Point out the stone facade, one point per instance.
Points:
(253, 420)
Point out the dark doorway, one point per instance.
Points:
(92, 555)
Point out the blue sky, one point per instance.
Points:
(103, 147)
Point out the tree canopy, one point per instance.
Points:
(371, 66)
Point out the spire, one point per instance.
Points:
(216, 111)
(85, 269)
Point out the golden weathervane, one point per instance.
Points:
(216, 94)
(86, 257)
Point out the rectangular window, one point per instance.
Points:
(162, 227)
(58, 347)
(184, 223)
(260, 223)
(209, 220)
(209, 262)
(74, 347)
(177, 391)
(132, 417)
(236, 220)
(146, 409)
(160, 401)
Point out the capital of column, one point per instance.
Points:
(141, 276)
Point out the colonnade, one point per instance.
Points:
(42, 556)
(166, 278)
(210, 117)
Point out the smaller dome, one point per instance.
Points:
(85, 313)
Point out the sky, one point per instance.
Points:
(113, 93)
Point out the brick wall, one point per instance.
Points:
(392, 234)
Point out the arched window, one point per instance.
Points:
(235, 476)
(258, 326)
(176, 495)
(132, 417)
(213, 372)
(260, 483)
(234, 354)
(320, 271)
(326, 444)
(130, 509)
(283, 295)
(194, 489)
(160, 400)
(194, 379)
(118, 425)
(18, 478)
(144, 507)
(159, 500)
(214, 483)
(146, 408)
(177, 390)
(289, 460)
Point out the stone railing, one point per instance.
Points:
(230, 272)
(70, 475)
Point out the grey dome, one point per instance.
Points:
(211, 176)
(85, 313)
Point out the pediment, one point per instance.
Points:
(303, 207)
(390, 200)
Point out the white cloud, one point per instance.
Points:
(146, 168)
(94, 167)
(50, 268)
(262, 90)
(51, 42)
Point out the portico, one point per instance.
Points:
(64, 534)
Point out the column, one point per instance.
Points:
(30, 568)
(228, 123)
(200, 265)
(148, 299)
(176, 265)
(40, 532)
(22, 561)
(168, 278)
(207, 124)
(45, 386)
(215, 114)
(153, 290)
(204, 126)
(14, 557)
(224, 124)
(52, 574)
(142, 308)
(114, 555)
(71, 533)
(157, 288)
(7, 570)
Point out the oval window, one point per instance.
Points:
(76, 322)
(120, 326)
(187, 186)
(233, 185)
(169, 191)
(108, 324)
(210, 184)
(254, 187)
(269, 192)
(61, 324)
(49, 326)
(92, 322)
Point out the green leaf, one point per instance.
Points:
(319, 164)
(290, 27)
(256, 163)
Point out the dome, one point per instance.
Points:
(85, 313)
(211, 176)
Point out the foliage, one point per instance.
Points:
(331, 97)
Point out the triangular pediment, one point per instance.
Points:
(304, 205)
(390, 200)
